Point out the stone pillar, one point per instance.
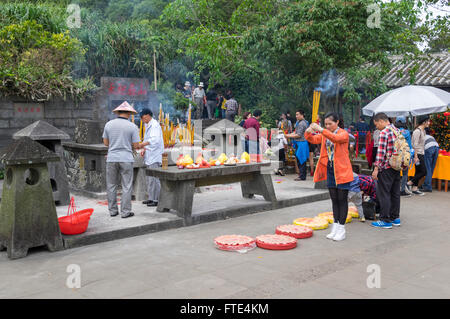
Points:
(88, 132)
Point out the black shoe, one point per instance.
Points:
(417, 192)
(405, 194)
(152, 204)
(426, 190)
(114, 215)
(145, 202)
(128, 215)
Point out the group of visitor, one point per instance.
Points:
(386, 185)
(334, 143)
(211, 104)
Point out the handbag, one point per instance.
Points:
(369, 210)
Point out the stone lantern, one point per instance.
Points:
(225, 136)
(27, 213)
(51, 137)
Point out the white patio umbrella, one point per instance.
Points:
(410, 100)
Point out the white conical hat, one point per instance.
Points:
(201, 84)
(125, 107)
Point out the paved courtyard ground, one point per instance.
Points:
(414, 261)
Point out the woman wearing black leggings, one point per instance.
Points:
(334, 165)
(418, 143)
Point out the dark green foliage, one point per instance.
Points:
(270, 53)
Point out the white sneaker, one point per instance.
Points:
(408, 189)
(333, 231)
(340, 233)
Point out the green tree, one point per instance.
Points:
(148, 9)
(37, 64)
(289, 45)
(120, 10)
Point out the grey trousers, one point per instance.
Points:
(153, 184)
(117, 172)
(200, 105)
(230, 115)
(210, 106)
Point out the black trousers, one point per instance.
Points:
(374, 154)
(339, 200)
(421, 170)
(282, 155)
(301, 169)
(388, 194)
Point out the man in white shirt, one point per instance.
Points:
(153, 146)
(281, 147)
(199, 97)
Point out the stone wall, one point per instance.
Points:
(17, 113)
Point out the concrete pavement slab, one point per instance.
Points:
(354, 280)
(314, 290)
(205, 286)
(436, 279)
(405, 290)
(184, 263)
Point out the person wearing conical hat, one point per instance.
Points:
(121, 137)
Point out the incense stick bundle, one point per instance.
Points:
(315, 109)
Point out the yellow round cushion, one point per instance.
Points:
(314, 223)
(329, 216)
(353, 211)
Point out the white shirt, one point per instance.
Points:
(199, 92)
(281, 142)
(153, 135)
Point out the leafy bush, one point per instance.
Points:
(440, 129)
(50, 16)
(120, 10)
(36, 63)
(116, 49)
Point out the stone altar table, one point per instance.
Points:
(178, 185)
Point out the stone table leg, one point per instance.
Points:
(179, 196)
(17, 252)
(55, 245)
(140, 184)
(261, 184)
